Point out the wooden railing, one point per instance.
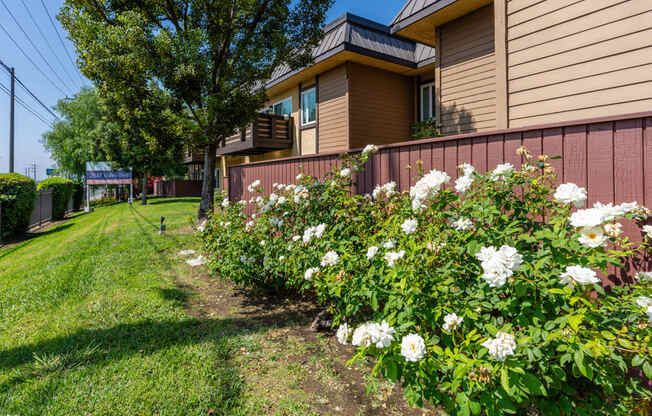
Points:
(268, 133)
(191, 156)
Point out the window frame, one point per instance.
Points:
(431, 100)
(303, 106)
(288, 98)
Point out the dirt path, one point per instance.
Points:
(288, 369)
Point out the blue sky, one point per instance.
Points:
(66, 78)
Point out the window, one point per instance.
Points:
(308, 106)
(427, 101)
(280, 108)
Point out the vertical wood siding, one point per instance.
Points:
(572, 59)
(333, 110)
(381, 106)
(468, 73)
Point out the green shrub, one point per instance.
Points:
(17, 196)
(105, 200)
(481, 296)
(77, 196)
(61, 193)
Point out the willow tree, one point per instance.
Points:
(213, 56)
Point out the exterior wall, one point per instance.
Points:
(333, 110)
(467, 84)
(381, 106)
(569, 60)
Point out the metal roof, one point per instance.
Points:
(415, 10)
(365, 37)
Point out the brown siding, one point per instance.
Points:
(333, 111)
(468, 73)
(381, 106)
(571, 59)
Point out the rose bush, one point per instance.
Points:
(481, 296)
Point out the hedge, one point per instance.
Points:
(17, 196)
(62, 192)
(77, 196)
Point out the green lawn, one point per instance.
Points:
(92, 321)
(100, 316)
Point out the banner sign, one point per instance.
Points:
(101, 173)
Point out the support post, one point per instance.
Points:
(225, 175)
(11, 120)
(88, 198)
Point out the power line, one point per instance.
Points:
(26, 106)
(29, 91)
(56, 55)
(31, 42)
(38, 68)
(63, 45)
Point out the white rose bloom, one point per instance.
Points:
(343, 333)
(500, 347)
(273, 197)
(569, 193)
(281, 200)
(592, 237)
(252, 187)
(451, 322)
(392, 257)
(409, 226)
(590, 217)
(296, 238)
(243, 202)
(644, 276)
(389, 244)
(364, 335)
(371, 252)
(578, 275)
(331, 258)
(627, 207)
(319, 230)
(499, 265)
(310, 272)
(370, 148)
(644, 302)
(613, 229)
(243, 259)
(225, 203)
(501, 171)
(384, 335)
(345, 173)
(647, 229)
(276, 222)
(463, 224)
(300, 176)
(281, 258)
(426, 188)
(609, 211)
(413, 348)
(262, 243)
(467, 170)
(463, 183)
(386, 190)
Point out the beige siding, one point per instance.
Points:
(381, 106)
(468, 73)
(333, 111)
(571, 59)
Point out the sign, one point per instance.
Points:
(49, 171)
(101, 173)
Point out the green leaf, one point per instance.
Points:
(534, 385)
(504, 380)
(637, 360)
(647, 369)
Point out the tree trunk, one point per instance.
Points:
(143, 195)
(208, 184)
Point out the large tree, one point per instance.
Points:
(214, 56)
(73, 141)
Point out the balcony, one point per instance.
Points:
(193, 157)
(267, 133)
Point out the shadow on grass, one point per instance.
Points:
(8, 247)
(95, 348)
(174, 200)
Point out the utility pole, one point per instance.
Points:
(11, 120)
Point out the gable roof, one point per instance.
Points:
(365, 37)
(415, 10)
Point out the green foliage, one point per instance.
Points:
(426, 129)
(213, 57)
(105, 200)
(61, 193)
(77, 196)
(17, 196)
(573, 343)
